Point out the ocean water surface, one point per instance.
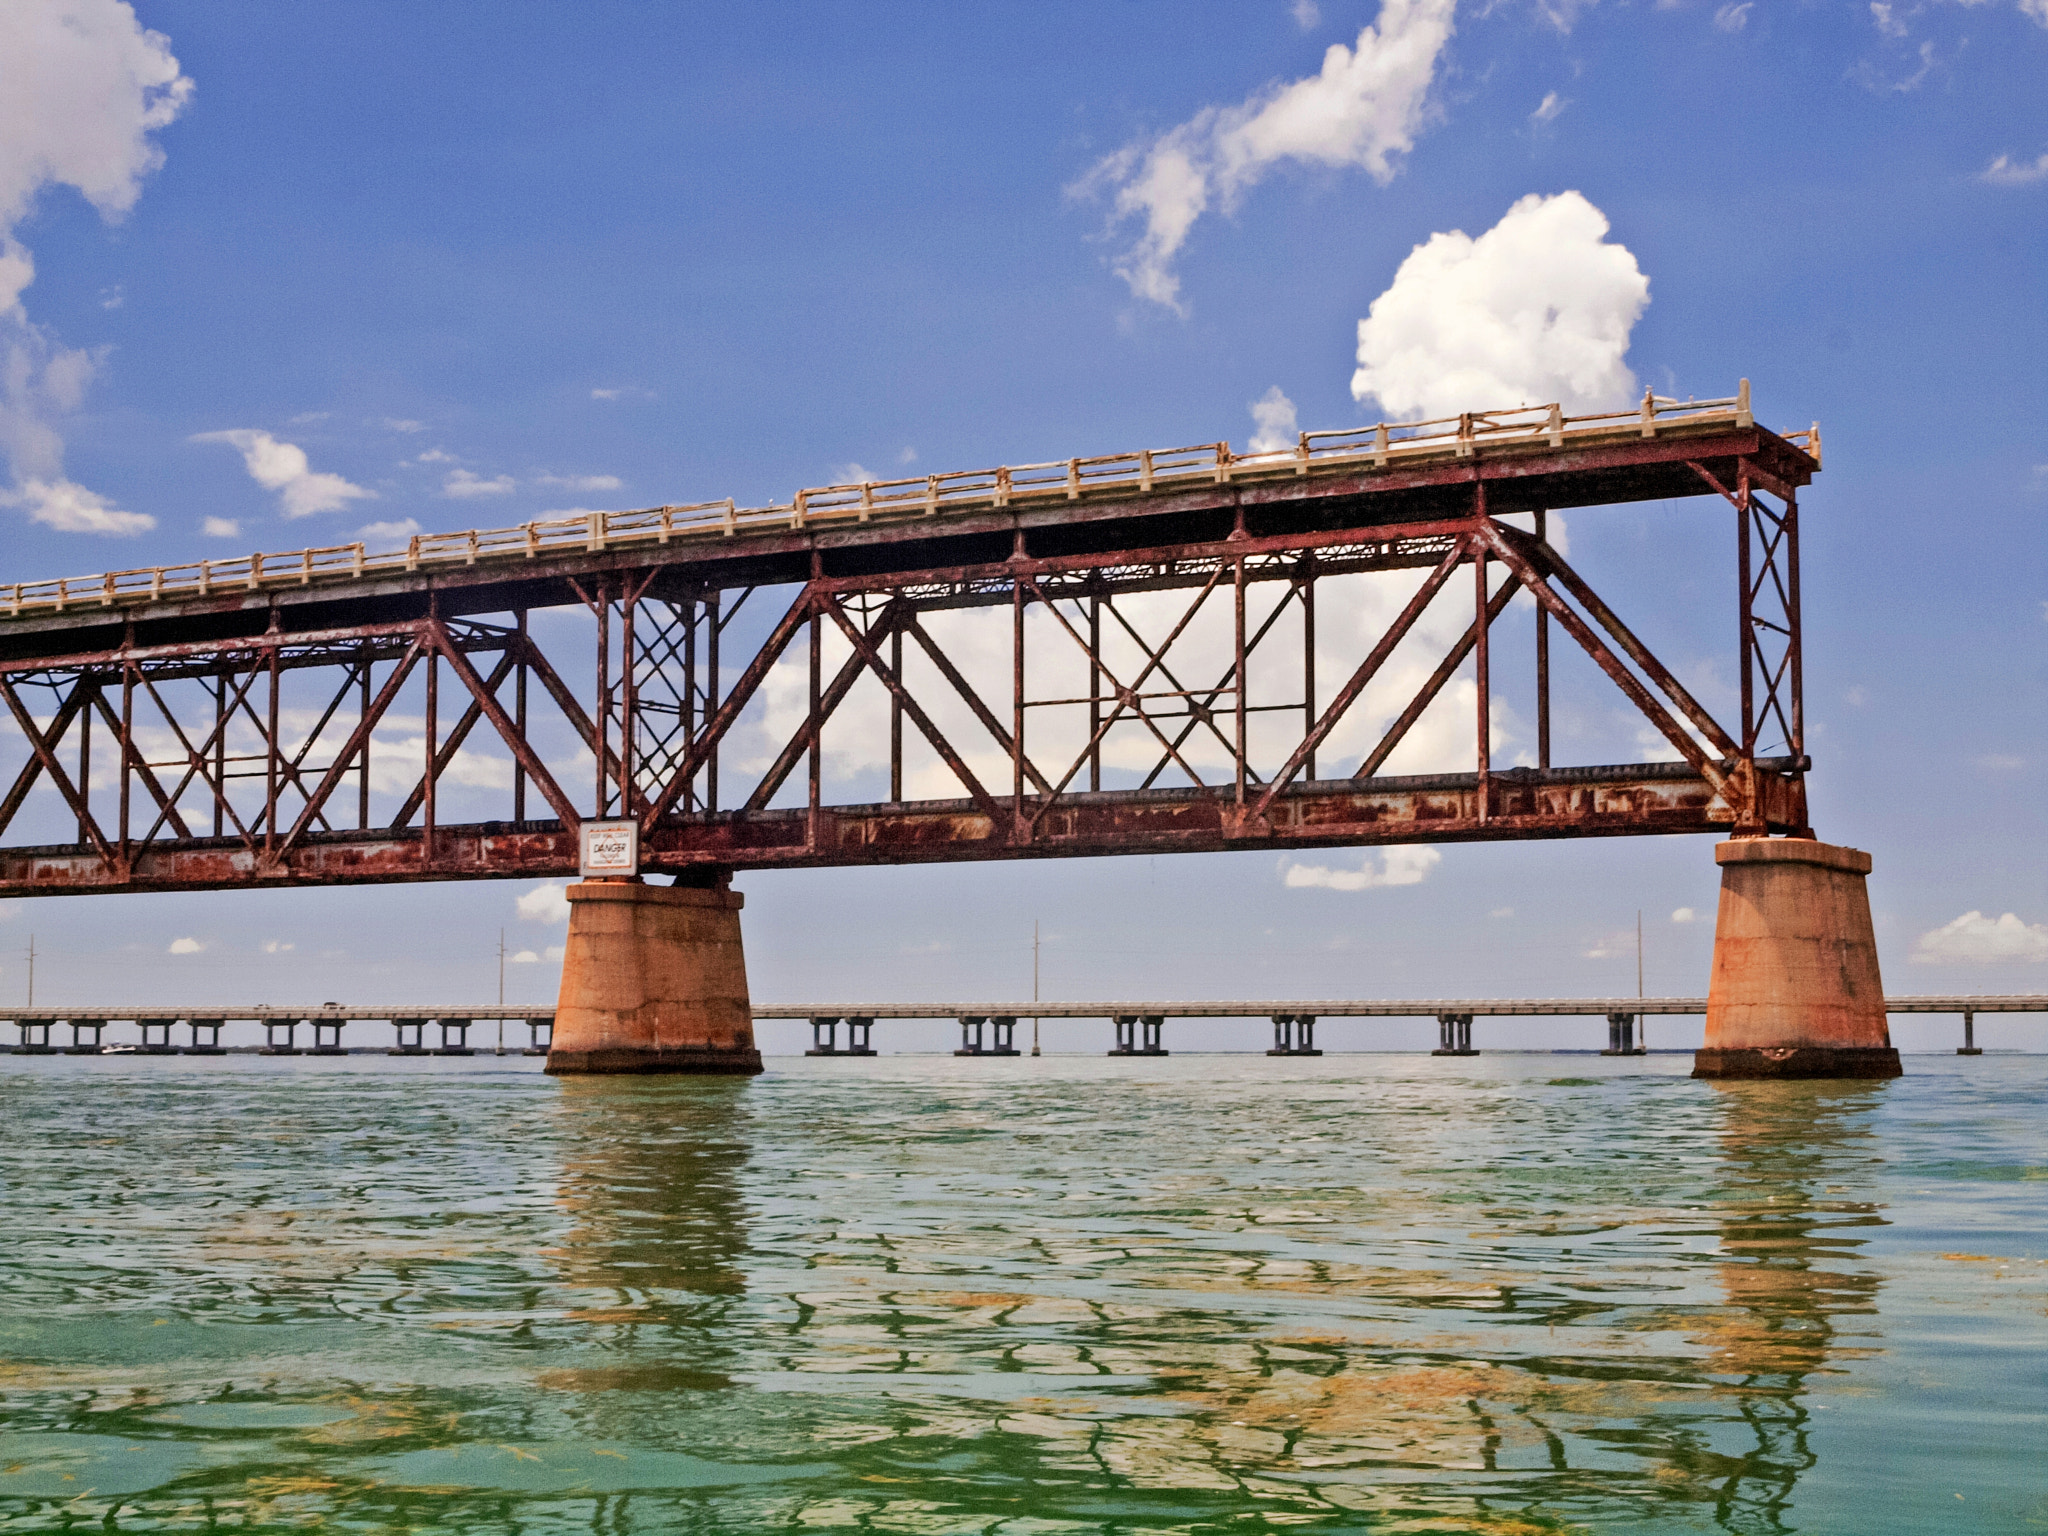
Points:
(1512, 1294)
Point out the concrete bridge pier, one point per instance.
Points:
(1140, 1034)
(1795, 990)
(654, 980)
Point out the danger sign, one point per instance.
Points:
(611, 848)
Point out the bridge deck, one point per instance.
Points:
(1319, 1008)
(1530, 458)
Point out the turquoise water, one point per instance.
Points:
(1361, 1293)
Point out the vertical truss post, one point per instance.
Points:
(1017, 706)
(1308, 659)
(896, 717)
(127, 746)
(1744, 616)
(715, 623)
(691, 689)
(1242, 679)
(220, 732)
(603, 608)
(85, 764)
(433, 750)
(629, 603)
(817, 752)
(1482, 671)
(518, 719)
(1094, 691)
(1542, 659)
(273, 749)
(1795, 644)
(363, 761)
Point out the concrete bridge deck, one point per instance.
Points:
(1137, 1022)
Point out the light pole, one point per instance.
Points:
(501, 990)
(1034, 983)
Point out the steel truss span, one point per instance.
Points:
(314, 731)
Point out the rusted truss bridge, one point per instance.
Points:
(314, 718)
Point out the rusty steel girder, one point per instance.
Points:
(157, 732)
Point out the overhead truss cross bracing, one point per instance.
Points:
(1165, 663)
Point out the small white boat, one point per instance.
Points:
(119, 1050)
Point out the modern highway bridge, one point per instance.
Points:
(320, 717)
(986, 1028)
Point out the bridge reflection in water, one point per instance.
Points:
(941, 1304)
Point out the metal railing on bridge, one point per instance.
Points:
(1384, 445)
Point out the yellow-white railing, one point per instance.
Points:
(1149, 470)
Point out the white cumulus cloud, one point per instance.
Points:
(69, 507)
(220, 528)
(83, 85)
(580, 482)
(463, 486)
(545, 903)
(184, 947)
(283, 468)
(1536, 309)
(1685, 915)
(1273, 416)
(1398, 866)
(2008, 172)
(1361, 111)
(1974, 939)
(389, 534)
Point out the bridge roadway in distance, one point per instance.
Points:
(1455, 1015)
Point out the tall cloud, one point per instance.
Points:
(283, 468)
(1361, 111)
(1538, 308)
(83, 85)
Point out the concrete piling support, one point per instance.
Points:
(1294, 1034)
(654, 980)
(1140, 1034)
(1621, 1036)
(1795, 990)
(1454, 1035)
(974, 1043)
(825, 1035)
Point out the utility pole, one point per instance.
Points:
(1642, 1019)
(1034, 983)
(31, 971)
(501, 989)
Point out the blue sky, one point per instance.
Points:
(480, 262)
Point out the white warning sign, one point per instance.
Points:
(611, 848)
